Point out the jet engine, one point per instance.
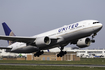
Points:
(42, 41)
(84, 42)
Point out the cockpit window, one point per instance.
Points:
(95, 22)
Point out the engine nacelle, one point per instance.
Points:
(84, 42)
(42, 41)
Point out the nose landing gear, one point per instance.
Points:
(93, 41)
(94, 35)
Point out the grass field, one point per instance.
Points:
(47, 68)
(83, 61)
(98, 61)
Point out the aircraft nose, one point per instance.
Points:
(98, 27)
(101, 25)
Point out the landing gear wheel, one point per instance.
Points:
(93, 41)
(62, 53)
(38, 53)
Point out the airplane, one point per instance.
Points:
(77, 33)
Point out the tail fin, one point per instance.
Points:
(8, 31)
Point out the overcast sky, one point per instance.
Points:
(31, 17)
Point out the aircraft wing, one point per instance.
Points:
(18, 38)
(3, 47)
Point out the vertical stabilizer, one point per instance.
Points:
(8, 31)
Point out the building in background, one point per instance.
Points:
(72, 54)
(84, 53)
(90, 53)
(52, 56)
(48, 55)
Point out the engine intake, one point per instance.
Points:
(84, 42)
(42, 41)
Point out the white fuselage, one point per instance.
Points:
(64, 35)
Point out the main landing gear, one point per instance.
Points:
(38, 53)
(61, 53)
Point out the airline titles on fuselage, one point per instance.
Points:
(69, 27)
